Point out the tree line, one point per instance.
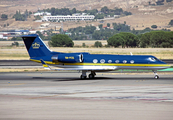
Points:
(105, 11)
(61, 40)
(22, 17)
(4, 16)
(81, 33)
(159, 2)
(162, 39)
(154, 39)
(123, 39)
(115, 11)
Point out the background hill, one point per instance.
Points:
(144, 13)
(12, 5)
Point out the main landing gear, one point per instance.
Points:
(156, 75)
(90, 76)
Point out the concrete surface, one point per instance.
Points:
(63, 96)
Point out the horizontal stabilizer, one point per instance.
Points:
(45, 65)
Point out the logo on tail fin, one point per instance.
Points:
(36, 45)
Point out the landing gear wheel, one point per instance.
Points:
(156, 77)
(82, 77)
(91, 76)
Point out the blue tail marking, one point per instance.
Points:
(35, 46)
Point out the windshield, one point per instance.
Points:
(153, 59)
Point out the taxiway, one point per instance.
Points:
(62, 95)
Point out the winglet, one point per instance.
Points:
(45, 65)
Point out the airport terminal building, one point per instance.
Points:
(68, 18)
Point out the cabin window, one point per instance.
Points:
(95, 61)
(124, 61)
(117, 61)
(102, 61)
(109, 61)
(132, 61)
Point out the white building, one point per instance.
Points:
(1, 36)
(68, 18)
(41, 13)
(32, 32)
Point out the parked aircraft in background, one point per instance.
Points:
(87, 62)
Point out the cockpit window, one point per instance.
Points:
(156, 59)
(153, 59)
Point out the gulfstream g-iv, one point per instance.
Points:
(87, 62)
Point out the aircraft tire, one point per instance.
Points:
(91, 76)
(156, 77)
(82, 77)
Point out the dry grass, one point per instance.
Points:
(22, 70)
(21, 52)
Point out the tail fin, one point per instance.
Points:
(35, 46)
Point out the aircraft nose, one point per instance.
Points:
(165, 65)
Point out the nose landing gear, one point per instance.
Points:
(156, 75)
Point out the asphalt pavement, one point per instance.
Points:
(63, 96)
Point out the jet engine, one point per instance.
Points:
(68, 58)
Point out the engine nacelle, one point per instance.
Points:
(68, 58)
